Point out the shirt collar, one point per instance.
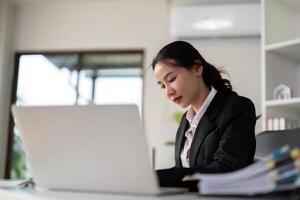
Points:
(192, 116)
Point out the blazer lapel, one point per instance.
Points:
(206, 125)
(203, 129)
(180, 139)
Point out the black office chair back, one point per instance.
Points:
(268, 141)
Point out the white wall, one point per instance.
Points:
(6, 66)
(91, 25)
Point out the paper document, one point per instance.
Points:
(279, 171)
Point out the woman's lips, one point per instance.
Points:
(177, 99)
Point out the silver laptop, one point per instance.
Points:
(87, 148)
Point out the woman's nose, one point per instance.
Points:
(169, 92)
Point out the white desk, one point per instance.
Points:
(55, 195)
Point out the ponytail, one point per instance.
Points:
(212, 77)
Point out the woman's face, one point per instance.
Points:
(180, 85)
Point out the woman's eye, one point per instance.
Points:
(162, 87)
(172, 79)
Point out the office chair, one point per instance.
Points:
(268, 141)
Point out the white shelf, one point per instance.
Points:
(293, 103)
(280, 57)
(289, 49)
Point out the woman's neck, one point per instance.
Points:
(203, 93)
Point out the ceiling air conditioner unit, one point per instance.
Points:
(210, 21)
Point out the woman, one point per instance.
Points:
(217, 133)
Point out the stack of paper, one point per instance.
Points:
(277, 172)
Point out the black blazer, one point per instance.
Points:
(224, 139)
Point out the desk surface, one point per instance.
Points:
(56, 195)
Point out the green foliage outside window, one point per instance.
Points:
(18, 162)
(177, 117)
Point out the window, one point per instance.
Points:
(69, 79)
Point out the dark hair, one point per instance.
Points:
(183, 54)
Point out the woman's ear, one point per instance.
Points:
(198, 69)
